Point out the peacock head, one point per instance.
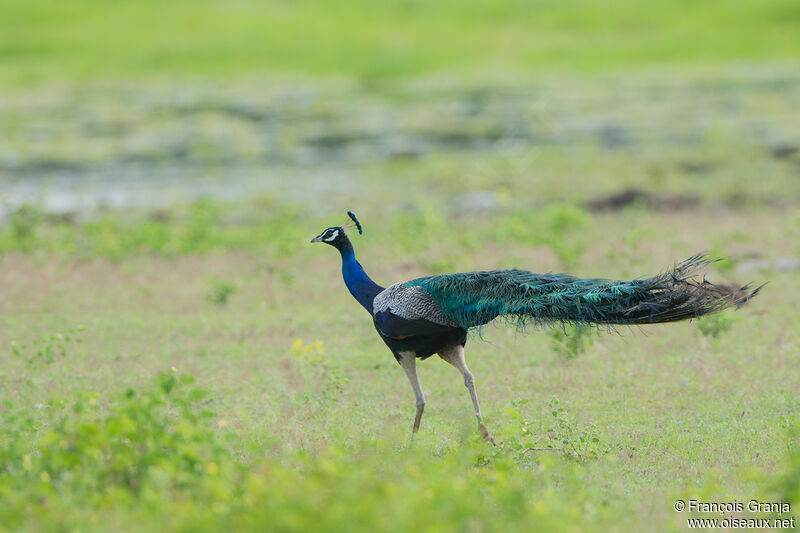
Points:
(334, 236)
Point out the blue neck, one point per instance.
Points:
(361, 287)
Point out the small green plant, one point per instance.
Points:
(560, 227)
(313, 355)
(570, 341)
(220, 291)
(48, 349)
(560, 434)
(787, 485)
(138, 445)
(152, 456)
(199, 234)
(564, 227)
(713, 326)
(580, 443)
(627, 253)
(23, 221)
(517, 432)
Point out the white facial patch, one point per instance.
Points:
(332, 236)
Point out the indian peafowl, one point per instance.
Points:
(429, 315)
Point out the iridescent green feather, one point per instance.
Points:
(475, 298)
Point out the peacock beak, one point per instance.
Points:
(318, 238)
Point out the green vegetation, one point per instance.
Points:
(49, 348)
(282, 410)
(570, 341)
(95, 39)
(220, 291)
(715, 325)
(162, 450)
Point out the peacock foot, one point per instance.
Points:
(486, 435)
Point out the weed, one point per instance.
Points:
(570, 341)
(787, 485)
(560, 227)
(314, 358)
(23, 221)
(199, 233)
(151, 456)
(626, 252)
(198, 228)
(49, 348)
(312, 354)
(563, 232)
(141, 446)
(580, 443)
(220, 291)
(713, 326)
(562, 434)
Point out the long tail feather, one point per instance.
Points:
(475, 298)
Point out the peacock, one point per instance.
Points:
(432, 314)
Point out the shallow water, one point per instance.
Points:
(78, 150)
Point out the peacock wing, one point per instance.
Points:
(472, 299)
(401, 311)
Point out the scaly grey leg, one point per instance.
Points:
(455, 356)
(408, 360)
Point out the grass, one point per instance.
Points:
(282, 413)
(366, 41)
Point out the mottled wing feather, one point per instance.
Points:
(411, 303)
(400, 311)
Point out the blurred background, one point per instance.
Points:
(468, 106)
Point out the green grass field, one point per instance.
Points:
(367, 41)
(175, 355)
(305, 419)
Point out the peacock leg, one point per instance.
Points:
(455, 356)
(408, 360)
